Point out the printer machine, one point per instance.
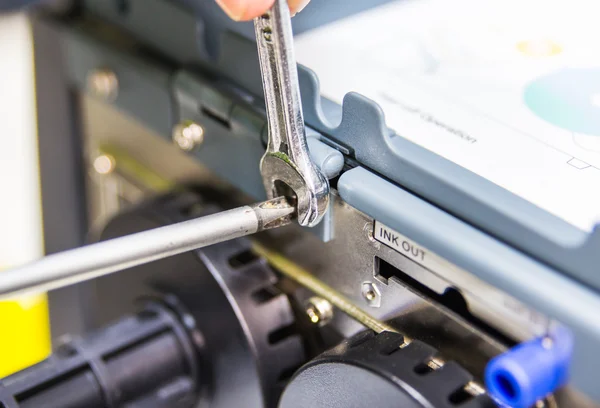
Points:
(426, 283)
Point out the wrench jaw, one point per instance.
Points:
(312, 191)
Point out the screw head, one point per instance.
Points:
(319, 310)
(103, 83)
(368, 229)
(104, 164)
(371, 294)
(188, 135)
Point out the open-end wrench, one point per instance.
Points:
(287, 163)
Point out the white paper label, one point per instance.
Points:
(400, 243)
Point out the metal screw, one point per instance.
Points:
(371, 294)
(368, 228)
(103, 83)
(104, 164)
(188, 135)
(319, 310)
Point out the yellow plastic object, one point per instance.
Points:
(24, 333)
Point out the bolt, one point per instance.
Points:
(474, 388)
(104, 164)
(319, 310)
(103, 83)
(368, 228)
(188, 135)
(371, 294)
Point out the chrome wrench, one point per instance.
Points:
(287, 163)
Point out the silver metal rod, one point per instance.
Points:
(95, 260)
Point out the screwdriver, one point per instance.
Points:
(99, 259)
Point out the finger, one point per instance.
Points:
(242, 10)
(297, 6)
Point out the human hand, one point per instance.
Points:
(242, 10)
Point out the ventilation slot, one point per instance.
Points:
(423, 369)
(459, 397)
(123, 7)
(281, 334)
(265, 294)
(242, 259)
(287, 374)
(224, 122)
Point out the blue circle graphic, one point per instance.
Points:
(569, 98)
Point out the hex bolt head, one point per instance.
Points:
(371, 294)
(319, 311)
(188, 135)
(103, 83)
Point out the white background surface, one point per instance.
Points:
(464, 64)
(20, 200)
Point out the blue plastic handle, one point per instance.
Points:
(530, 371)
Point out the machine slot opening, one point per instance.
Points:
(452, 299)
(459, 397)
(242, 259)
(282, 334)
(223, 122)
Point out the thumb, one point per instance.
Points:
(240, 10)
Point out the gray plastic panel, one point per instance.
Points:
(143, 87)
(233, 154)
(167, 28)
(496, 263)
(148, 16)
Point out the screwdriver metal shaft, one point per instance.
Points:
(95, 260)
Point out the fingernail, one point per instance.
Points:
(235, 13)
(298, 6)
